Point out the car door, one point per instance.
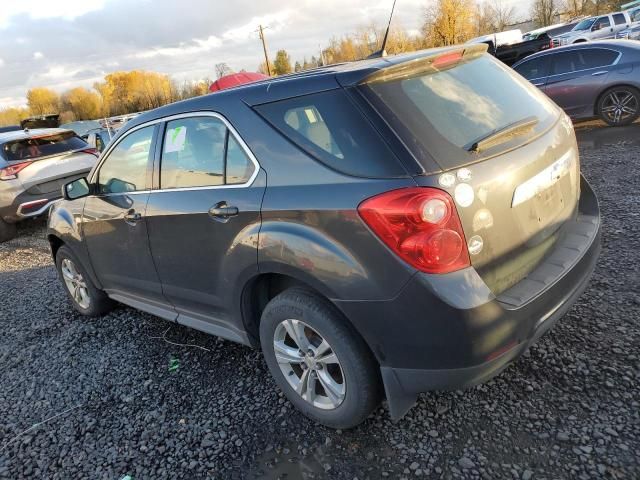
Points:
(114, 226)
(602, 28)
(620, 22)
(576, 77)
(204, 219)
(536, 70)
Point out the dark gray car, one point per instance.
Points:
(596, 79)
(379, 228)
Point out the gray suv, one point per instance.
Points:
(379, 228)
(34, 165)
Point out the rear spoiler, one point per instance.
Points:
(432, 63)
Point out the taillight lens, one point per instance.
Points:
(11, 172)
(421, 225)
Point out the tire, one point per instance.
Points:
(89, 301)
(353, 378)
(619, 106)
(7, 231)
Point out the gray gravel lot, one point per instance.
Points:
(568, 409)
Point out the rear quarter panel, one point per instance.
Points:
(311, 229)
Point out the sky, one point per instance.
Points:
(63, 44)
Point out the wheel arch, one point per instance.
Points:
(606, 89)
(260, 289)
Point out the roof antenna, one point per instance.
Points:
(382, 52)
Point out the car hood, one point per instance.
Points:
(570, 34)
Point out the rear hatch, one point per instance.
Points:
(46, 160)
(505, 153)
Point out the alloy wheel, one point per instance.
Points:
(309, 364)
(75, 283)
(619, 105)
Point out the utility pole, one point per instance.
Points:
(264, 47)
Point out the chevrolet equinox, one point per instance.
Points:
(379, 228)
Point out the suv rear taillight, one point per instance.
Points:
(11, 172)
(421, 225)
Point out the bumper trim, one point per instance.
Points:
(37, 212)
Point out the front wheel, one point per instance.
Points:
(323, 367)
(619, 106)
(85, 297)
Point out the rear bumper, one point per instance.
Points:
(451, 332)
(18, 203)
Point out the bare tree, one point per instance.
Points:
(222, 69)
(578, 8)
(544, 12)
(501, 15)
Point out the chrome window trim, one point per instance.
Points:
(615, 62)
(220, 117)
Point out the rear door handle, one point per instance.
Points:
(132, 217)
(601, 72)
(223, 211)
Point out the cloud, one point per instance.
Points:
(37, 9)
(184, 49)
(82, 40)
(1, 62)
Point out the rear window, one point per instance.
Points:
(329, 127)
(42, 146)
(445, 112)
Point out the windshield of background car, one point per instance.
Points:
(42, 146)
(635, 15)
(584, 24)
(444, 113)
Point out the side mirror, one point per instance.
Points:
(596, 27)
(77, 189)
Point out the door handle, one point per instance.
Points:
(601, 72)
(132, 217)
(223, 211)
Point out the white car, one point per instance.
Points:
(34, 165)
(595, 28)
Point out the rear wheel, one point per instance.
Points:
(619, 106)
(7, 231)
(85, 297)
(322, 366)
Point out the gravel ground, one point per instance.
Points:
(96, 398)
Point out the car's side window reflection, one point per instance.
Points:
(125, 169)
(202, 152)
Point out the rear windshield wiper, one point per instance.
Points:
(501, 135)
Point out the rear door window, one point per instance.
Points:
(202, 152)
(583, 59)
(443, 112)
(619, 19)
(329, 127)
(39, 146)
(534, 69)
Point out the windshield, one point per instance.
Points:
(635, 15)
(456, 107)
(584, 24)
(42, 146)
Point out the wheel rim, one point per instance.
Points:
(75, 283)
(619, 105)
(309, 364)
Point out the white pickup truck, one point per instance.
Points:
(595, 28)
